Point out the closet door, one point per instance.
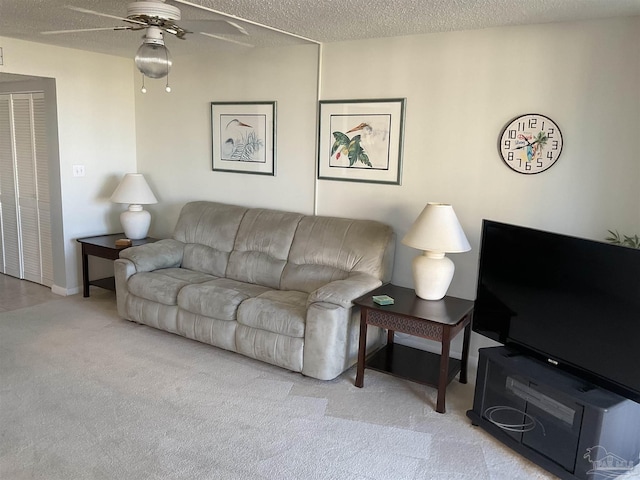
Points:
(10, 264)
(42, 188)
(26, 228)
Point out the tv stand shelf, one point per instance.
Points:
(571, 428)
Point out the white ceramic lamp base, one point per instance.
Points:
(135, 222)
(432, 275)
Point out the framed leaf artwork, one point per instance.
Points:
(361, 140)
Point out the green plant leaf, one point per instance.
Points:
(614, 237)
(624, 240)
(354, 150)
(633, 242)
(364, 158)
(341, 141)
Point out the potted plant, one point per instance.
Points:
(624, 240)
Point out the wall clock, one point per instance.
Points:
(530, 143)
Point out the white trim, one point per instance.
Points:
(228, 15)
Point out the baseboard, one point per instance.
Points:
(64, 291)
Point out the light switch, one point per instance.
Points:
(78, 170)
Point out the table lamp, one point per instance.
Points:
(135, 191)
(436, 231)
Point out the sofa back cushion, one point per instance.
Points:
(262, 246)
(327, 248)
(209, 230)
(281, 250)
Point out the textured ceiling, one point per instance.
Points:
(318, 20)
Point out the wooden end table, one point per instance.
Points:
(439, 320)
(103, 246)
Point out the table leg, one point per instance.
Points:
(444, 370)
(465, 352)
(85, 273)
(362, 347)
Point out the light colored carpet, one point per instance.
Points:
(86, 395)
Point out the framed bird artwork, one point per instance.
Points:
(243, 137)
(361, 140)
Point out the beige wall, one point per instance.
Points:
(461, 89)
(174, 130)
(96, 128)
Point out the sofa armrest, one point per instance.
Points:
(343, 292)
(152, 256)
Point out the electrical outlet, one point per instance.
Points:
(78, 170)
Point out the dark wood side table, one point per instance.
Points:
(439, 320)
(103, 246)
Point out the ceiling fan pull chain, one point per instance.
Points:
(143, 89)
(166, 56)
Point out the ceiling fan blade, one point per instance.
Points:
(55, 32)
(100, 14)
(215, 27)
(238, 27)
(224, 39)
(244, 20)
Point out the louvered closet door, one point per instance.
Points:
(27, 198)
(26, 226)
(42, 188)
(11, 264)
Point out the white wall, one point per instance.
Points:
(96, 128)
(174, 131)
(461, 89)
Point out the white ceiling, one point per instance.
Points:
(317, 20)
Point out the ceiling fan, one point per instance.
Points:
(157, 18)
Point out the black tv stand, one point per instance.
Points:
(571, 428)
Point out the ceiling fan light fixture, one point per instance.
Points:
(153, 58)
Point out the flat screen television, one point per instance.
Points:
(573, 303)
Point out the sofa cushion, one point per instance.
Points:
(325, 249)
(210, 224)
(205, 259)
(220, 333)
(218, 298)
(191, 276)
(281, 350)
(262, 246)
(163, 285)
(276, 311)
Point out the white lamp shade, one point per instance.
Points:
(133, 189)
(437, 229)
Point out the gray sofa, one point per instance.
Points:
(272, 285)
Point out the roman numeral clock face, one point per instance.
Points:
(530, 143)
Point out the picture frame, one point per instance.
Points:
(361, 140)
(243, 137)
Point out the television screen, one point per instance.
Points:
(573, 302)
